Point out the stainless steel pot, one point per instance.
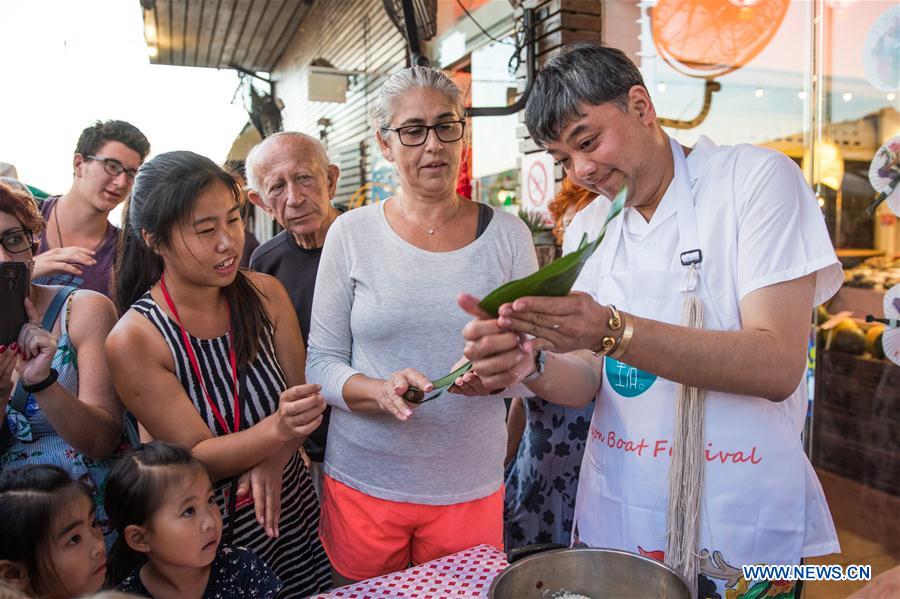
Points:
(595, 573)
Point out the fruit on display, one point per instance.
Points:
(873, 341)
(880, 273)
(848, 337)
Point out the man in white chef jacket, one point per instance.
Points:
(736, 227)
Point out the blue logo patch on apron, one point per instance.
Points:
(627, 380)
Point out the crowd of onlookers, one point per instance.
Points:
(162, 434)
(177, 425)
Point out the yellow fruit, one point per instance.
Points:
(873, 333)
(847, 324)
(873, 341)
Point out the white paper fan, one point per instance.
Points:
(881, 52)
(884, 175)
(890, 339)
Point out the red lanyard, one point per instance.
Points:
(195, 365)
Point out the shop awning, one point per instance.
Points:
(249, 34)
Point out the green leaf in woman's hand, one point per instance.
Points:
(447, 381)
(417, 396)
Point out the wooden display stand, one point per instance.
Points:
(857, 419)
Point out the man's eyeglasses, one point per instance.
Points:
(114, 168)
(17, 241)
(415, 135)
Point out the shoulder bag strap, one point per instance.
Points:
(59, 300)
(485, 214)
(19, 395)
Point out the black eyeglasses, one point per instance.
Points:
(115, 168)
(416, 135)
(17, 241)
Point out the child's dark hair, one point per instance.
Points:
(135, 490)
(30, 498)
(163, 197)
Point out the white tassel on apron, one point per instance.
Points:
(686, 468)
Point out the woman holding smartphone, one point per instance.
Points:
(56, 394)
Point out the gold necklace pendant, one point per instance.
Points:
(431, 230)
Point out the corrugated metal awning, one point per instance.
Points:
(250, 34)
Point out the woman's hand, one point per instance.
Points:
(471, 385)
(263, 483)
(8, 356)
(38, 348)
(468, 384)
(390, 398)
(300, 411)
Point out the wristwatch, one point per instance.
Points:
(539, 360)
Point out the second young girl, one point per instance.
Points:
(162, 505)
(50, 543)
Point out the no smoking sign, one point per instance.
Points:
(538, 185)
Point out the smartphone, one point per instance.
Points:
(13, 291)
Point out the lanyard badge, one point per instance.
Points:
(195, 364)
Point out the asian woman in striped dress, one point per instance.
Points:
(210, 357)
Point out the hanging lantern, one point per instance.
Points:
(710, 38)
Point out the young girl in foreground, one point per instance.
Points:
(50, 544)
(161, 502)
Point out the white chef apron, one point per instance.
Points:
(754, 494)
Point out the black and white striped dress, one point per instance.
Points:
(296, 556)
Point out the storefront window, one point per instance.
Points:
(817, 80)
(475, 47)
(495, 148)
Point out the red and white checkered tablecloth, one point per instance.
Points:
(467, 574)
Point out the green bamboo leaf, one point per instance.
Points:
(555, 279)
(417, 396)
(447, 381)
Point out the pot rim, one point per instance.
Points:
(531, 558)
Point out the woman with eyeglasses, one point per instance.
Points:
(408, 483)
(56, 394)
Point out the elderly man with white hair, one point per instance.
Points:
(291, 178)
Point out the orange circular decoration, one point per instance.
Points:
(709, 38)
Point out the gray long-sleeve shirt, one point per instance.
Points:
(382, 305)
